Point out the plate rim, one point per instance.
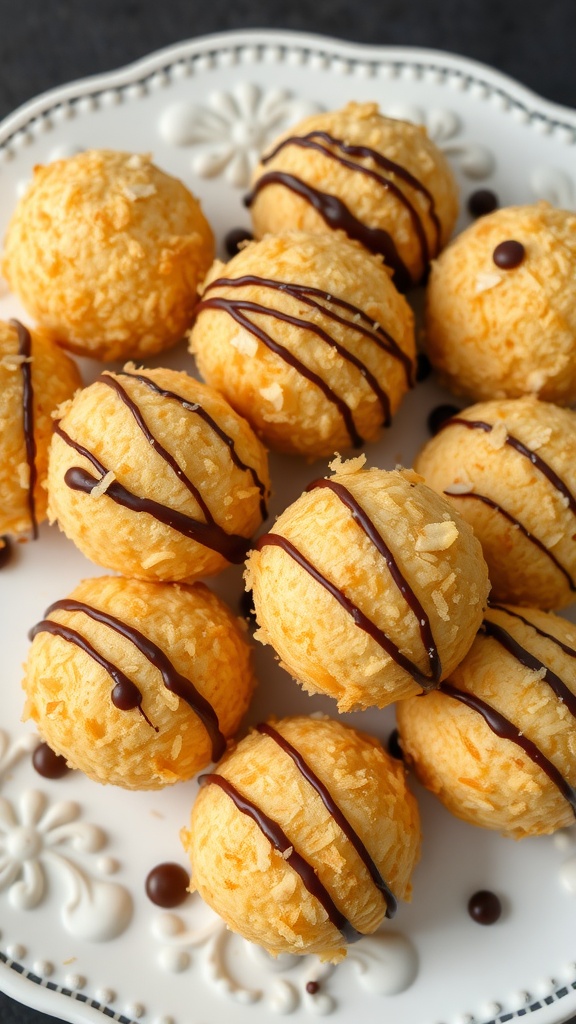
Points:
(16, 980)
(475, 72)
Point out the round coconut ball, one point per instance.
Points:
(370, 587)
(35, 377)
(381, 180)
(154, 475)
(500, 318)
(497, 742)
(305, 837)
(323, 353)
(509, 467)
(106, 252)
(138, 684)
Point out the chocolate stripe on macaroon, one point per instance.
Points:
(280, 841)
(338, 815)
(25, 350)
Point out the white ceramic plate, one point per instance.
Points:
(79, 938)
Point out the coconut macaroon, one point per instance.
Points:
(501, 317)
(305, 837)
(138, 684)
(380, 180)
(509, 467)
(106, 251)
(35, 377)
(308, 338)
(154, 475)
(497, 742)
(371, 587)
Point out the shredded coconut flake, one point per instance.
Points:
(159, 556)
(135, 162)
(244, 343)
(347, 466)
(288, 852)
(539, 437)
(436, 536)
(498, 435)
(462, 484)
(13, 360)
(103, 484)
(139, 190)
(486, 280)
(273, 394)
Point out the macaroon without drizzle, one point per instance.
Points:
(370, 586)
(305, 837)
(138, 684)
(35, 377)
(382, 181)
(306, 337)
(106, 252)
(497, 741)
(155, 476)
(509, 467)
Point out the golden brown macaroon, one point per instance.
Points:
(35, 377)
(323, 353)
(380, 180)
(138, 684)
(370, 586)
(106, 252)
(501, 317)
(154, 475)
(497, 742)
(305, 837)
(509, 467)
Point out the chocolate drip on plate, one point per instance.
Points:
(279, 840)
(506, 729)
(513, 442)
(167, 885)
(48, 763)
(332, 807)
(25, 350)
(529, 661)
(231, 546)
(125, 696)
(360, 619)
(173, 680)
(519, 526)
(197, 410)
(366, 524)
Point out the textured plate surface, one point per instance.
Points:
(78, 936)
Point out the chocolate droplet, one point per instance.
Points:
(394, 748)
(126, 696)
(234, 239)
(167, 885)
(439, 415)
(48, 763)
(312, 987)
(482, 201)
(484, 907)
(5, 551)
(423, 367)
(509, 254)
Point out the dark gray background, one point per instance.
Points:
(44, 43)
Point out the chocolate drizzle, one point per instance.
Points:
(197, 410)
(332, 807)
(519, 526)
(360, 619)
(231, 546)
(513, 442)
(548, 636)
(363, 519)
(173, 680)
(529, 661)
(25, 350)
(506, 729)
(336, 213)
(279, 840)
(239, 309)
(125, 695)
